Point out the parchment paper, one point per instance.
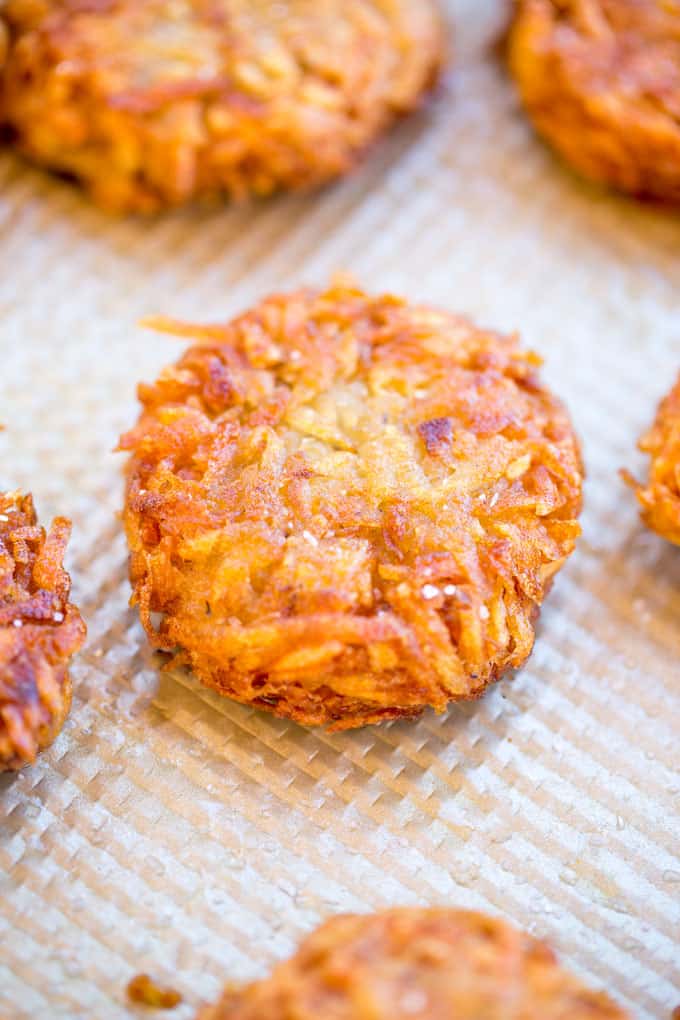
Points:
(172, 831)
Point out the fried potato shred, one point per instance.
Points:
(39, 631)
(346, 508)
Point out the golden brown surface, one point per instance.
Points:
(144, 991)
(347, 509)
(429, 964)
(601, 81)
(39, 632)
(660, 497)
(151, 103)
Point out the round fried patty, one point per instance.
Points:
(151, 103)
(660, 497)
(39, 631)
(415, 963)
(346, 508)
(601, 81)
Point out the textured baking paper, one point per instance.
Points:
(174, 832)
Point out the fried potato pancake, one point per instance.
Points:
(600, 79)
(660, 497)
(426, 963)
(39, 631)
(346, 508)
(152, 103)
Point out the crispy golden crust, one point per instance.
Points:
(151, 103)
(600, 79)
(660, 497)
(39, 632)
(4, 42)
(405, 963)
(347, 509)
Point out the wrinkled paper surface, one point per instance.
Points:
(174, 832)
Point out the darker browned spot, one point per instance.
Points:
(435, 433)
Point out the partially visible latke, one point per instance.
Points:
(417, 964)
(39, 631)
(152, 104)
(600, 79)
(660, 496)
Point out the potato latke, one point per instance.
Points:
(660, 497)
(39, 632)
(152, 103)
(405, 963)
(600, 79)
(346, 508)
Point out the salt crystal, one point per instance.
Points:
(413, 1001)
(430, 591)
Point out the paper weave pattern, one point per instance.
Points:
(172, 831)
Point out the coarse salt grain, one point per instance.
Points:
(430, 591)
(414, 1001)
(309, 537)
(18, 623)
(450, 589)
(57, 617)
(484, 613)
(4, 517)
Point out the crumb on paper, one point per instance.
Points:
(143, 990)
